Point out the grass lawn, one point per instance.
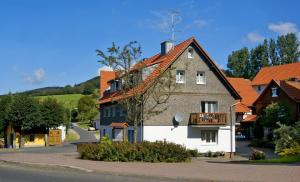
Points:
(84, 125)
(281, 160)
(72, 136)
(69, 100)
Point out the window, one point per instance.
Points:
(209, 107)
(209, 136)
(113, 111)
(118, 111)
(201, 77)
(259, 88)
(190, 53)
(274, 92)
(130, 136)
(105, 114)
(180, 76)
(108, 112)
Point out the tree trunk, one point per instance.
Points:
(135, 132)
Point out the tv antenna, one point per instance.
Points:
(175, 19)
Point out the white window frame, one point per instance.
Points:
(207, 136)
(198, 80)
(180, 78)
(274, 92)
(190, 53)
(208, 106)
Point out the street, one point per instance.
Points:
(17, 173)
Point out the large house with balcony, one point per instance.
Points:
(204, 100)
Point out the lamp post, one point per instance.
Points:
(75, 108)
(231, 127)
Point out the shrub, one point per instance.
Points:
(145, 151)
(292, 151)
(257, 155)
(193, 153)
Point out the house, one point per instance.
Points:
(284, 91)
(12, 138)
(280, 72)
(244, 116)
(203, 101)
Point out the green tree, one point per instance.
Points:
(238, 63)
(273, 55)
(276, 112)
(86, 108)
(288, 48)
(5, 106)
(25, 114)
(53, 113)
(259, 58)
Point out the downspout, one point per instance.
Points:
(231, 127)
(142, 119)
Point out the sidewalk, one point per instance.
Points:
(197, 169)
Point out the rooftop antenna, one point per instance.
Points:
(175, 19)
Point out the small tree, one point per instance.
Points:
(53, 113)
(5, 106)
(135, 90)
(276, 112)
(86, 108)
(287, 137)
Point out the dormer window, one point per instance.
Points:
(190, 53)
(274, 92)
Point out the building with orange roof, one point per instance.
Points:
(284, 91)
(244, 115)
(280, 72)
(198, 111)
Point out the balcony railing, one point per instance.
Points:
(208, 119)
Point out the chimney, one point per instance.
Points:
(166, 46)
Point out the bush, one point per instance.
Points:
(193, 153)
(292, 151)
(145, 151)
(257, 155)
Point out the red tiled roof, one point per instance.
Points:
(246, 91)
(292, 88)
(250, 119)
(164, 63)
(105, 76)
(280, 72)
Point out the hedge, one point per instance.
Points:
(144, 151)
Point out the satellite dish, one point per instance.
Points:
(178, 117)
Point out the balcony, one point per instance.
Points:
(208, 119)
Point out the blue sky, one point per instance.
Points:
(53, 42)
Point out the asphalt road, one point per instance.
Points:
(17, 173)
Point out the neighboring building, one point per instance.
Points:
(280, 72)
(203, 99)
(287, 92)
(244, 114)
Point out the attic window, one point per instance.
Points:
(190, 53)
(274, 92)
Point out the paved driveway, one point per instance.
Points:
(243, 150)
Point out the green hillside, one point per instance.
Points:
(69, 100)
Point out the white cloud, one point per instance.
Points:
(283, 28)
(254, 37)
(36, 78)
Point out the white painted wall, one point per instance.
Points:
(190, 137)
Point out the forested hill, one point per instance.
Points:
(86, 87)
